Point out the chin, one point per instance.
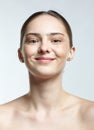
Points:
(43, 74)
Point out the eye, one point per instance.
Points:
(56, 41)
(32, 41)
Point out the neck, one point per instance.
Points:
(47, 93)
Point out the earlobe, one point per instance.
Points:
(71, 54)
(69, 59)
(20, 56)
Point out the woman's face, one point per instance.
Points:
(46, 47)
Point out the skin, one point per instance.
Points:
(45, 52)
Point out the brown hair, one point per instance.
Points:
(52, 13)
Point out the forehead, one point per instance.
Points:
(46, 23)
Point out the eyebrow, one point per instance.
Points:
(52, 34)
(56, 33)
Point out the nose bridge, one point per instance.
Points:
(44, 46)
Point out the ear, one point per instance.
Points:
(71, 54)
(20, 56)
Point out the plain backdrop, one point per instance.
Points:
(78, 77)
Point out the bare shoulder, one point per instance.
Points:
(8, 111)
(87, 110)
(6, 114)
(86, 113)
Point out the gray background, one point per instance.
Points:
(78, 75)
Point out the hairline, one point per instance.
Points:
(53, 14)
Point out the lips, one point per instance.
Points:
(44, 59)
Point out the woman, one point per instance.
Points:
(45, 47)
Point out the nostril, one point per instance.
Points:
(43, 49)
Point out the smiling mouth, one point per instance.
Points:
(44, 59)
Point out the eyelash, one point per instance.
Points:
(56, 41)
(33, 41)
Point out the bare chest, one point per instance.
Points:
(56, 124)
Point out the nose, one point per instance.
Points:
(44, 47)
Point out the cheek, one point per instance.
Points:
(29, 51)
(62, 52)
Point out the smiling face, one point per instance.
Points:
(45, 46)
